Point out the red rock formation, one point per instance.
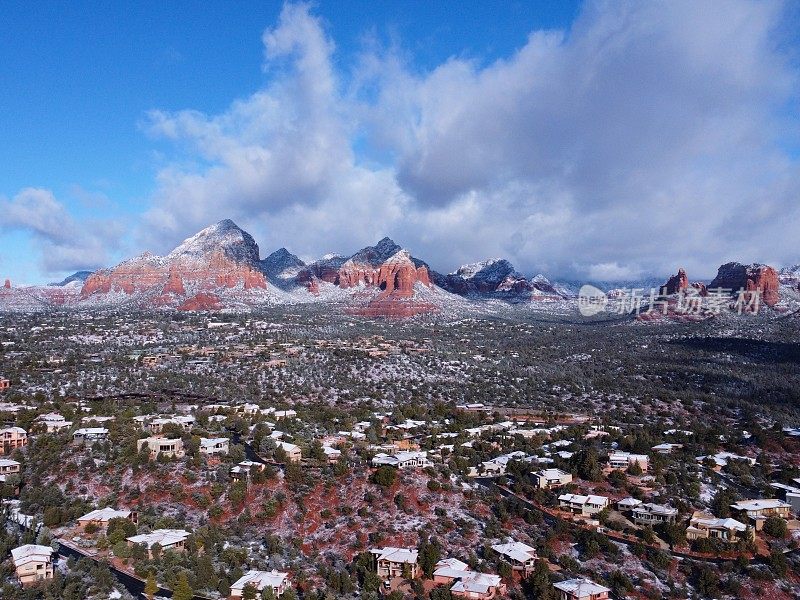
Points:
(174, 284)
(395, 277)
(7, 284)
(146, 273)
(201, 301)
(393, 308)
(755, 277)
(676, 283)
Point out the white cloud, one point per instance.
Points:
(65, 244)
(643, 139)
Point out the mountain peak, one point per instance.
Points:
(225, 236)
(281, 264)
(377, 254)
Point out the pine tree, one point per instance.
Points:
(182, 591)
(150, 586)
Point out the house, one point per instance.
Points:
(704, 525)
(185, 422)
(758, 511)
(332, 454)
(551, 478)
(521, 556)
(582, 505)
(33, 563)
(161, 446)
(285, 414)
(12, 438)
(623, 460)
(274, 580)
(210, 446)
(468, 583)
(242, 470)
(396, 562)
(649, 513)
(53, 422)
(402, 460)
(721, 459)
(4, 384)
(666, 448)
(293, 452)
(90, 434)
(8, 467)
(102, 516)
(168, 539)
(581, 589)
(628, 504)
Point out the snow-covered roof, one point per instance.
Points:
(582, 588)
(105, 514)
(396, 555)
(163, 537)
(260, 580)
(759, 504)
(472, 582)
(516, 551)
(31, 553)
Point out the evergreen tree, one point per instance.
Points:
(182, 591)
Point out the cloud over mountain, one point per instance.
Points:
(65, 244)
(648, 135)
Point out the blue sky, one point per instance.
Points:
(532, 130)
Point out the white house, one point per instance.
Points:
(274, 580)
(650, 513)
(551, 478)
(581, 589)
(623, 460)
(582, 505)
(33, 563)
(90, 434)
(209, 446)
(402, 460)
(168, 539)
(521, 556)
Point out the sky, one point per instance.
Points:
(584, 140)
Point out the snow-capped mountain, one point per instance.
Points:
(220, 260)
(76, 279)
(497, 278)
(282, 267)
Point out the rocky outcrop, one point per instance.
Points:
(497, 278)
(219, 257)
(755, 277)
(201, 301)
(7, 284)
(385, 270)
(676, 283)
(174, 284)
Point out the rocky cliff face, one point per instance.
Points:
(385, 271)
(676, 283)
(755, 277)
(219, 257)
(497, 278)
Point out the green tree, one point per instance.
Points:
(384, 476)
(182, 591)
(150, 586)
